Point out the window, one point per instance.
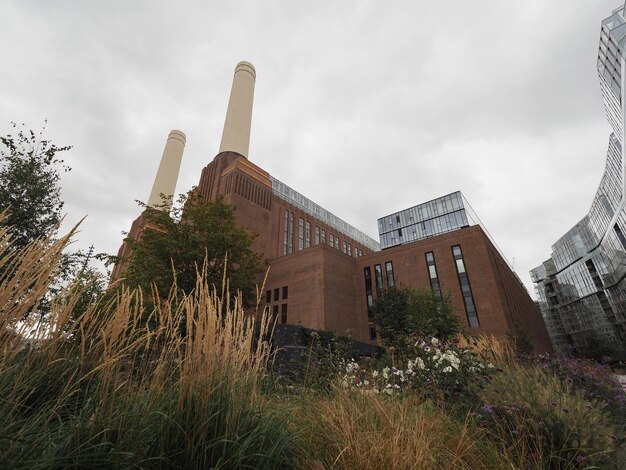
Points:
(290, 235)
(620, 236)
(317, 235)
(285, 292)
(466, 290)
(345, 247)
(332, 240)
(337, 242)
(390, 279)
(323, 237)
(349, 249)
(372, 328)
(432, 274)
(276, 293)
(285, 232)
(301, 234)
(283, 313)
(367, 272)
(274, 312)
(378, 270)
(268, 296)
(307, 235)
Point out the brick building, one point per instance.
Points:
(324, 273)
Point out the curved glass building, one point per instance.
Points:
(582, 287)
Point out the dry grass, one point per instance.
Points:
(353, 430)
(118, 385)
(490, 349)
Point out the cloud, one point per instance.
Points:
(365, 107)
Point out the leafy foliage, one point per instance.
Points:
(178, 245)
(29, 184)
(401, 314)
(440, 371)
(545, 422)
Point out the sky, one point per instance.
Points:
(365, 107)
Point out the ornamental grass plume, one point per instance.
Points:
(121, 386)
(347, 430)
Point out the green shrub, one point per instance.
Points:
(541, 421)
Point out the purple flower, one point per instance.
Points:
(488, 408)
(582, 458)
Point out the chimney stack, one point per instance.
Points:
(167, 175)
(236, 135)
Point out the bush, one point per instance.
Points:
(593, 380)
(438, 370)
(542, 422)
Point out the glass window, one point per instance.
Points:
(345, 247)
(332, 240)
(285, 292)
(307, 235)
(285, 232)
(301, 234)
(317, 235)
(432, 274)
(372, 329)
(290, 235)
(349, 249)
(283, 313)
(389, 269)
(466, 290)
(367, 272)
(268, 296)
(378, 270)
(323, 237)
(276, 294)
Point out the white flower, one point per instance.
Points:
(375, 374)
(434, 341)
(420, 363)
(447, 369)
(386, 372)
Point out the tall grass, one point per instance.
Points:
(371, 431)
(176, 386)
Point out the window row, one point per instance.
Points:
(305, 239)
(380, 278)
(276, 297)
(283, 313)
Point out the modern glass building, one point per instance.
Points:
(442, 215)
(582, 287)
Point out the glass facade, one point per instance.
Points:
(432, 218)
(292, 196)
(581, 288)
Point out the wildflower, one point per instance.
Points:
(434, 341)
(375, 374)
(447, 369)
(488, 408)
(386, 372)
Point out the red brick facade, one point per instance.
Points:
(320, 286)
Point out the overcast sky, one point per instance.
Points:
(365, 107)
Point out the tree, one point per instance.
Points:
(178, 244)
(29, 184)
(401, 313)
